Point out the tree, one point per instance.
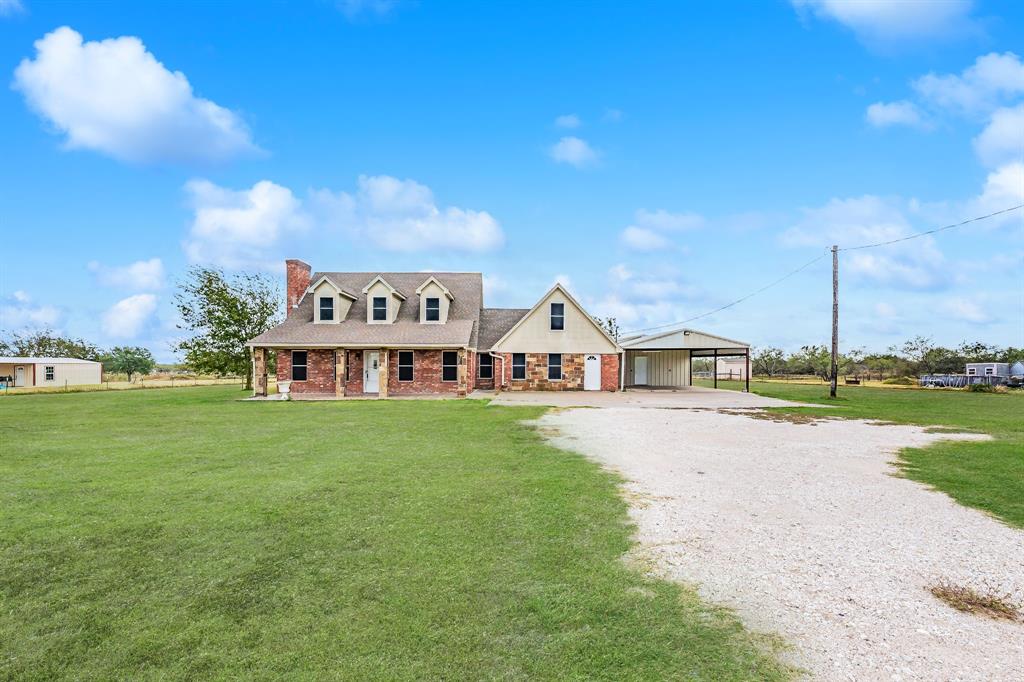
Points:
(223, 313)
(769, 361)
(48, 344)
(610, 325)
(815, 360)
(916, 351)
(130, 360)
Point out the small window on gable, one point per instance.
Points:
(380, 308)
(326, 309)
(433, 310)
(554, 366)
(486, 366)
(518, 366)
(298, 365)
(48, 372)
(405, 364)
(450, 365)
(557, 316)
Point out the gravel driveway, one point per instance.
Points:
(805, 532)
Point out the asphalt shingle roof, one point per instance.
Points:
(495, 323)
(461, 329)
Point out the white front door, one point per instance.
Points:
(19, 376)
(640, 370)
(592, 373)
(371, 373)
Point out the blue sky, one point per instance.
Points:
(662, 159)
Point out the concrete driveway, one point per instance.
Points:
(681, 398)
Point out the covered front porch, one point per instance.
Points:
(665, 359)
(380, 372)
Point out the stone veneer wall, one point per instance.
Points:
(573, 366)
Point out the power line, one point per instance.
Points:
(737, 301)
(937, 229)
(815, 260)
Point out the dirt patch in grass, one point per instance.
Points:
(780, 417)
(985, 601)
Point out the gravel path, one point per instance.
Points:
(805, 532)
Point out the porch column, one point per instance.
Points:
(259, 372)
(463, 383)
(382, 380)
(339, 372)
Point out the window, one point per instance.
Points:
(48, 372)
(433, 310)
(971, 371)
(380, 308)
(450, 365)
(486, 365)
(298, 365)
(557, 316)
(519, 366)
(554, 366)
(405, 358)
(326, 309)
(348, 366)
(989, 371)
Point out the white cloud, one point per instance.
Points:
(885, 23)
(1004, 187)
(246, 228)
(650, 229)
(885, 114)
(239, 229)
(10, 7)
(574, 151)
(127, 318)
(644, 239)
(114, 97)
(886, 310)
(568, 121)
(620, 273)
(1002, 140)
(564, 280)
(991, 80)
(143, 275)
(402, 215)
(916, 264)
(613, 115)
(17, 312)
(960, 308)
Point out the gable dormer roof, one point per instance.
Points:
(420, 288)
(380, 278)
(565, 292)
(324, 278)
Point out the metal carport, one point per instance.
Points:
(664, 359)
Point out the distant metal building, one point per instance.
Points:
(995, 373)
(18, 372)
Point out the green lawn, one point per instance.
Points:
(180, 533)
(987, 475)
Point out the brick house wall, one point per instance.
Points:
(610, 372)
(426, 375)
(354, 365)
(319, 371)
(485, 384)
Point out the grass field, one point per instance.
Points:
(986, 475)
(170, 534)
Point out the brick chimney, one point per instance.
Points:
(298, 274)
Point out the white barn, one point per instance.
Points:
(18, 372)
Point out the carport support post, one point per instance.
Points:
(747, 375)
(714, 368)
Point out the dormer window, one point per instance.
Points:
(380, 308)
(557, 317)
(433, 311)
(326, 308)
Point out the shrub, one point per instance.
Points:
(900, 381)
(981, 388)
(986, 602)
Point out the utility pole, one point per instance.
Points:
(835, 320)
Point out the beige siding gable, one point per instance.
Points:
(433, 290)
(533, 334)
(381, 288)
(341, 303)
